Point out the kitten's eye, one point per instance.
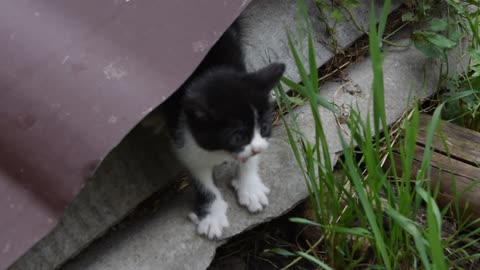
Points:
(238, 137)
(264, 128)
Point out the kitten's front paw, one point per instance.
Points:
(213, 224)
(251, 193)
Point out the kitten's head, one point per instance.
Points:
(231, 111)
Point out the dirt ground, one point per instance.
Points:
(249, 249)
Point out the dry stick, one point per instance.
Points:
(296, 260)
(340, 68)
(264, 259)
(313, 250)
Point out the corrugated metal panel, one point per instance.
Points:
(75, 77)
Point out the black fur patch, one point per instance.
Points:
(220, 109)
(220, 99)
(222, 103)
(203, 201)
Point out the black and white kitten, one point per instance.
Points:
(223, 113)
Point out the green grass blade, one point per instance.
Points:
(315, 260)
(365, 202)
(410, 227)
(383, 18)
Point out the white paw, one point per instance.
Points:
(213, 224)
(251, 193)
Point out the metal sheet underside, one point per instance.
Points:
(75, 77)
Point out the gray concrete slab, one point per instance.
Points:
(133, 171)
(167, 240)
(269, 21)
(139, 166)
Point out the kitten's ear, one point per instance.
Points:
(270, 75)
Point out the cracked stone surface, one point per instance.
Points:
(127, 176)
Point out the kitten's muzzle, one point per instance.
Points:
(244, 159)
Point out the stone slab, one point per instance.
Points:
(126, 177)
(168, 237)
(269, 21)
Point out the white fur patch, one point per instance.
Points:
(195, 157)
(251, 192)
(213, 224)
(201, 164)
(256, 146)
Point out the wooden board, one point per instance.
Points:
(462, 144)
(454, 165)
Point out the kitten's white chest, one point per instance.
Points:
(194, 156)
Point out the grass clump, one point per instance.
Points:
(368, 215)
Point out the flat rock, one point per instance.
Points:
(268, 23)
(125, 178)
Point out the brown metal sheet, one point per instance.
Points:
(75, 77)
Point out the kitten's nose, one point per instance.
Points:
(255, 151)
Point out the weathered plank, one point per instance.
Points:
(454, 165)
(452, 176)
(461, 143)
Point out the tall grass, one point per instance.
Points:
(368, 214)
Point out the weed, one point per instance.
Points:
(452, 26)
(368, 215)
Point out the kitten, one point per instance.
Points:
(223, 113)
